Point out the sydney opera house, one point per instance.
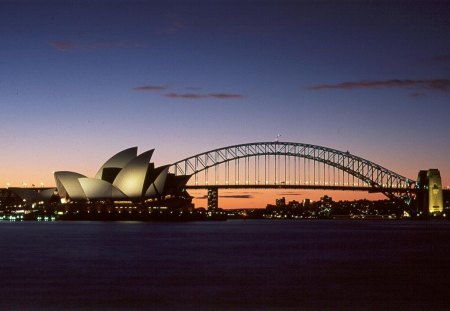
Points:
(125, 177)
(126, 187)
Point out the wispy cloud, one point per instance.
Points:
(63, 46)
(204, 96)
(186, 95)
(431, 84)
(66, 46)
(228, 196)
(225, 96)
(150, 88)
(237, 196)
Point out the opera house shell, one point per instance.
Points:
(126, 176)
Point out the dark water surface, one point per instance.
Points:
(232, 265)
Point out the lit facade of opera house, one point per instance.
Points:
(126, 176)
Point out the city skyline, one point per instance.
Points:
(80, 81)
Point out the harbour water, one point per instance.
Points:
(230, 265)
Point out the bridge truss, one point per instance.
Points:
(289, 165)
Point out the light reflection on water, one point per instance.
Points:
(232, 265)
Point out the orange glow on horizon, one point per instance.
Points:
(260, 198)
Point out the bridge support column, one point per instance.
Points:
(430, 200)
(213, 198)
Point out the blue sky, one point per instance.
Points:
(81, 80)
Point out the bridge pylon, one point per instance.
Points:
(430, 198)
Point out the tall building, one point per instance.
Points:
(306, 202)
(213, 199)
(280, 202)
(326, 201)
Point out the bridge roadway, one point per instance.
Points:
(307, 187)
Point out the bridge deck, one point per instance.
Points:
(306, 187)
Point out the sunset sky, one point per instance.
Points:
(82, 80)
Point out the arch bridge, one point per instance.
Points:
(289, 165)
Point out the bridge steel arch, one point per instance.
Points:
(377, 178)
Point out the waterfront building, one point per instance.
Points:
(213, 199)
(281, 202)
(326, 201)
(306, 202)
